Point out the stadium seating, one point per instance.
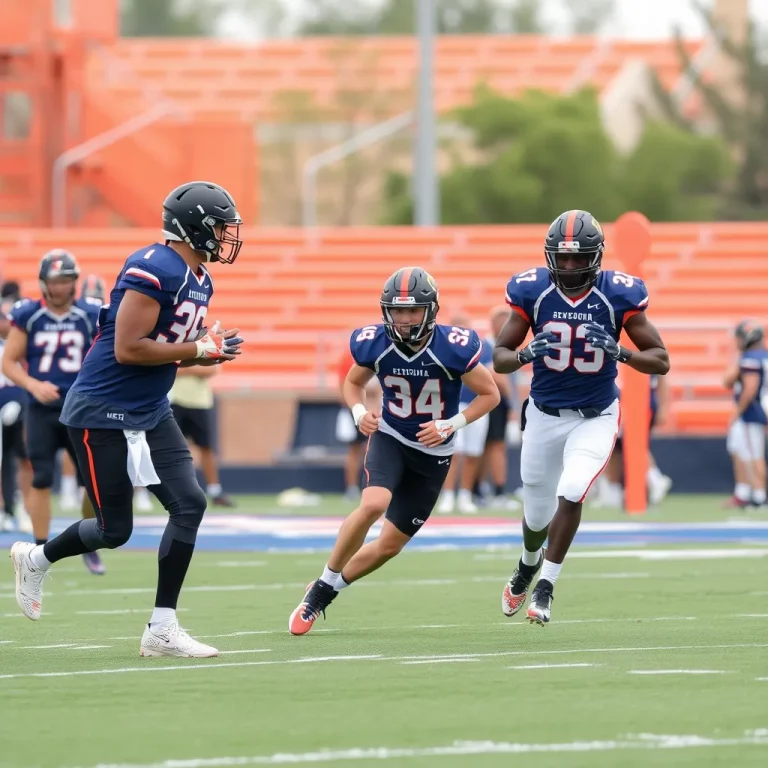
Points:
(219, 80)
(297, 294)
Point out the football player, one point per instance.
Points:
(421, 367)
(119, 416)
(43, 354)
(576, 313)
(93, 287)
(746, 437)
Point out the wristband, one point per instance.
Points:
(625, 355)
(458, 421)
(358, 411)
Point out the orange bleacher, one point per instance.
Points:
(221, 80)
(297, 294)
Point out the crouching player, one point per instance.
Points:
(421, 367)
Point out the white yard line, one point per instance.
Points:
(677, 672)
(692, 553)
(376, 658)
(246, 650)
(440, 661)
(641, 741)
(554, 666)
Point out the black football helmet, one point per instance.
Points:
(93, 287)
(10, 290)
(749, 333)
(578, 234)
(58, 263)
(406, 288)
(193, 210)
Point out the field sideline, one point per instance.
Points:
(660, 648)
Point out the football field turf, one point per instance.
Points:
(657, 654)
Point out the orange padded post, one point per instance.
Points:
(632, 237)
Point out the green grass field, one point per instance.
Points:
(415, 666)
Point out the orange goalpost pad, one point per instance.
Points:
(632, 243)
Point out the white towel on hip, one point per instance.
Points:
(141, 470)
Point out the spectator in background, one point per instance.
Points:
(503, 426)
(16, 469)
(347, 432)
(192, 402)
(746, 438)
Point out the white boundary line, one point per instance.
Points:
(641, 741)
(149, 667)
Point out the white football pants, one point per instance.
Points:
(562, 456)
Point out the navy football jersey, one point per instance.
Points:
(9, 392)
(421, 386)
(56, 344)
(579, 376)
(110, 395)
(754, 361)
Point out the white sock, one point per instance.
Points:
(758, 496)
(449, 496)
(340, 584)
(743, 492)
(38, 558)
(68, 485)
(163, 616)
(465, 496)
(654, 476)
(329, 577)
(531, 558)
(214, 490)
(550, 571)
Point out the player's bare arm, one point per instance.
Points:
(511, 337)
(663, 401)
(481, 382)
(136, 319)
(353, 391)
(731, 376)
(651, 355)
(13, 358)
(750, 389)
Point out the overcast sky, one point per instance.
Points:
(641, 19)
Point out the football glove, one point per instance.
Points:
(540, 345)
(213, 346)
(599, 338)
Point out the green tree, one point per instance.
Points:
(169, 18)
(742, 120)
(541, 154)
(397, 17)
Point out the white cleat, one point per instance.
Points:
(466, 506)
(658, 490)
(29, 580)
(446, 504)
(172, 640)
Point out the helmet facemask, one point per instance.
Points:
(416, 332)
(581, 278)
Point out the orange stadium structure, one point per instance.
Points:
(297, 294)
(96, 127)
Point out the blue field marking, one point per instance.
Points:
(252, 533)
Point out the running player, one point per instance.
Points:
(576, 313)
(119, 416)
(421, 367)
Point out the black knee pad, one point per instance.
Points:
(187, 510)
(116, 533)
(42, 473)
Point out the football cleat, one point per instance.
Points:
(516, 589)
(539, 610)
(317, 598)
(222, 500)
(94, 564)
(171, 640)
(29, 580)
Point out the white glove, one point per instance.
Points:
(213, 346)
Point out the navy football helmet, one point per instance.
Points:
(407, 288)
(574, 250)
(204, 216)
(749, 333)
(56, 264)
